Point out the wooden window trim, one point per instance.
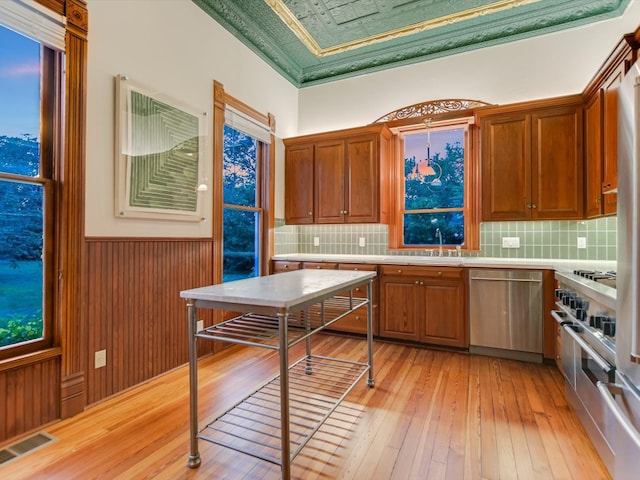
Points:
(472, 183)
(266, 175)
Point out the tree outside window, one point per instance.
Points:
(434, 200)
(242, 209)
(22, 192)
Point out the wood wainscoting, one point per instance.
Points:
(134, 309)
(30, 393)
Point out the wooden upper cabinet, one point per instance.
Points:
(362, 175)
(298, 196)
(506, 167)
(602, 92)
(610, 128)
(532, 161)
(347, 182)
(593, 204)
(328, 182)
(558, 163)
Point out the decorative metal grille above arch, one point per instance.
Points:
(431, 108)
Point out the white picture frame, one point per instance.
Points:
(160, 155)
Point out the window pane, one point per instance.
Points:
(241, 244)
(421, 228)
(21, 273)
(434, 175)
(240, 168)
(19, 104)
(21, 203)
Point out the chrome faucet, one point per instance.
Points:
(439, 235)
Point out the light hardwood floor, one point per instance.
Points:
(431, 415)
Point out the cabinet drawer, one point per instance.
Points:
(418, 271)
(320, 265)
(356, 322)
(365, 267)
(285, 266)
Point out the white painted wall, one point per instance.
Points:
(174, 46)
(552, 65)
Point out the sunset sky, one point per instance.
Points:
(19, 85)
(416, 145)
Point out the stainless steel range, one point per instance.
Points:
(586, 310)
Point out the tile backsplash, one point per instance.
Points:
(541, 239)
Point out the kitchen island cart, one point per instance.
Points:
(277, 312)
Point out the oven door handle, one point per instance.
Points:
(560, 317)
(607, 396)
(590, 351)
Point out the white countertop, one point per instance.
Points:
(480, 262)
(282, 291)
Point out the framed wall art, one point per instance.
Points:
(160, 148)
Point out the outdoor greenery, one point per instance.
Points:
(240, 188)
(21, 246)
(425, 199)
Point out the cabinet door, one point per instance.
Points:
(610, 165)
(401, 313)
(593, 156)
(557, 173)
(506, 167)
(329, 182)
(361, 189)
(298, 189)
(445, 319)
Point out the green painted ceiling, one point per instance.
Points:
(316, 41)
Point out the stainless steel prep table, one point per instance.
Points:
(277, 312)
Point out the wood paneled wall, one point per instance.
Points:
(31, 397)
(134, 309)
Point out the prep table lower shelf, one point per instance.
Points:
(278, 311)
(317, 385)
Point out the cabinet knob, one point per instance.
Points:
(286, 266)
(317, 266)
(310, 213)
(439, 274)
(417, 282)
(534, 205)
(399, 270)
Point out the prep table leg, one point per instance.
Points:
(194, 455)
(370, 381)
(284, 397)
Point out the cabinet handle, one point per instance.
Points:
(534, 206)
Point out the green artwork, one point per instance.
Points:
(160, 149)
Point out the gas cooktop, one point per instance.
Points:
(605, 278)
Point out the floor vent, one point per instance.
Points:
(25, 446)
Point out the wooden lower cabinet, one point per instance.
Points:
(424, 304)
(355, 322)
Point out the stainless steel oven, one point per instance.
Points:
(586, 312)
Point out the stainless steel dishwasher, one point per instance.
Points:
(506, 313)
